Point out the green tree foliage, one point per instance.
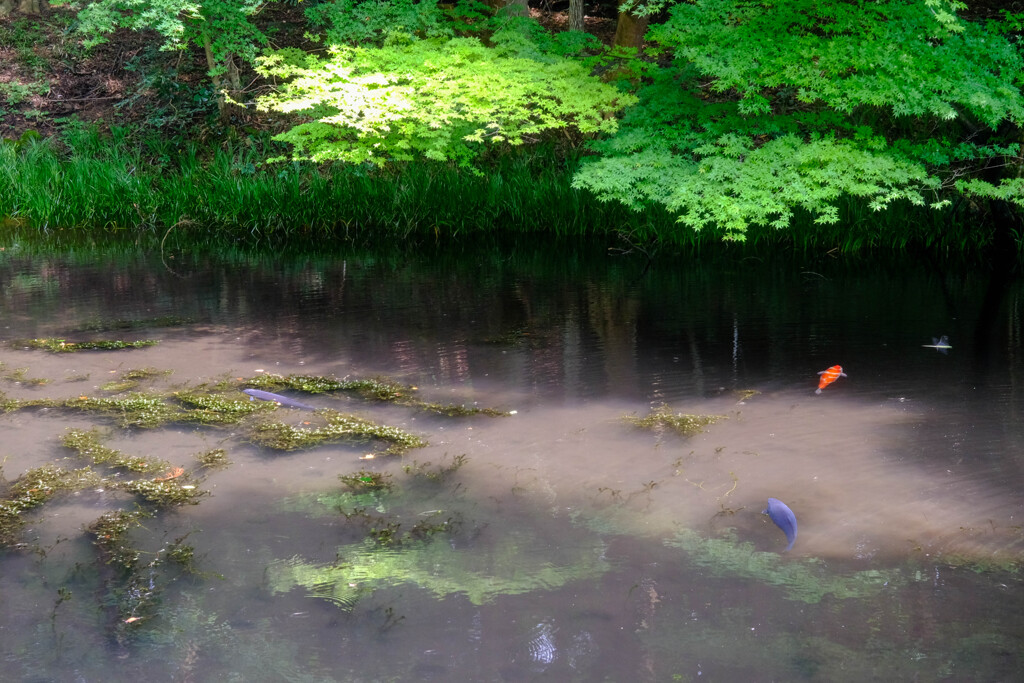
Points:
(374, 21)
(768, 107)
(421, 93)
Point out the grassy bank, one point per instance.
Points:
(111, 182)
(87, 179)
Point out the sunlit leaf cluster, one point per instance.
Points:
(438, 99)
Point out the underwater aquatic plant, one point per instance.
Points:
(663, 418)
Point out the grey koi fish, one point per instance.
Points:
(277, 398)
(783, 518)
(941, 344)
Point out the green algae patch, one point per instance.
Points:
(807, 580)
(663, 418)
(32, 489)
(338, 427)
(57, 345)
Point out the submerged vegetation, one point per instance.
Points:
(163, 484)
(402, 544)
(662, 418)
(807, 579)
(33, 488)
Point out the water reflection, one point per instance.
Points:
(571, 545)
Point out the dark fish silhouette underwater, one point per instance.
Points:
(941, 344)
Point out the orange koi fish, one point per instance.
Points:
(172, 473)
(829, 376)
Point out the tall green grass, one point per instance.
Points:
(109, 182)
(89, 180)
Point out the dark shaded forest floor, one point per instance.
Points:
(46, 77)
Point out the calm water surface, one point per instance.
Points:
(558, 542)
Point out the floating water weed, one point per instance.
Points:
(664, 418)
(374, 389)
(119, 386)
(88, 445)
(171, 487)
(212, 409)
(378, 389)
(217, 457)
(165, 493)
(63, 346)
(32, 489)
(339, 426)
(133, 410)
(20, 376)
(132, 378)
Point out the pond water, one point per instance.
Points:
(551, 539)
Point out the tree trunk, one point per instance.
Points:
(226, 80)
(630, 30)
(8, 7)
(32, 6)
(215, 74)
(576, 15)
